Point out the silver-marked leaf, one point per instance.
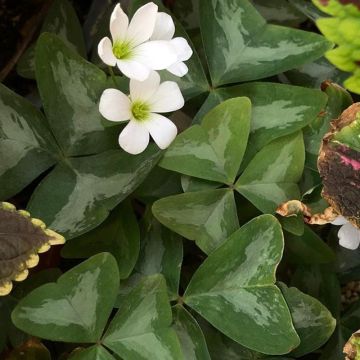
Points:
(119, 235)
(21, 239)
(27, 147)
(250, 48)
(208, 217)
(61, 20)
(214, 150)
(272, 175)
(312, 320)
(277, 109)
(234, 289)
(70, 88)
(141, 329)
(87, 188)
(75, 308)
(191, 338)
(96, 352)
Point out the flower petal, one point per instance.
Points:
(349, 236)
(144, 90)
(105, 52)
(339, 220)
(178, 69)
(183, 49)
(161, 129)
(164, 27)
(134, 138)
(133, 69)
(167, 98)
(119, 23)
(142, 24)
(157, 55)
(115, 105)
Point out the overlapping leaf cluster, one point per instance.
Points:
(248, 146)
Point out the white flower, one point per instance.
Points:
(165, 30)
(146, 100)
(349, 235)
(130, 48)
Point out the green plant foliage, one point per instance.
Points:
(342, 28)
(265, 49)
(239, 278)
(259, 98)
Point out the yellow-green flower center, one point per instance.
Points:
(122, 50)
(140, 110)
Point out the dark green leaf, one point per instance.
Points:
(277, 109)
(76, 308)
(61, 20)
(250, 48)
(208, 217)
(308, 248)
(312, 320)
(119, 235)
(87, 188)
(27, 147)
(272, 174)
(141, 329)
(235, 285)
(190, 335)
(70, 89)
(214, 150)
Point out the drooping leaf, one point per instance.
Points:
(61, 20)
(141, 329)
(21, 239)
(118, 234)
(250, 48)
(191, 338)
(70, 89)
(214, 150)
(88, 188)
(27, 147)
(76, 308)
(272, 175)
(239, 279)
(208, 217)
(312, 320)
(277, 109)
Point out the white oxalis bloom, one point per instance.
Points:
(146, 100)
(349, 235)
(131, 48)
(165, 30)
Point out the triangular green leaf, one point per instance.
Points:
(214, 150)
(119, 235)
(70, 89)
(250, 48)
(87, 188)
(208, 217)
(234, 289)
(26, 144)
(312, 320)
(141, 329)
(76, 308)
(272, 174)
(191, 338)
